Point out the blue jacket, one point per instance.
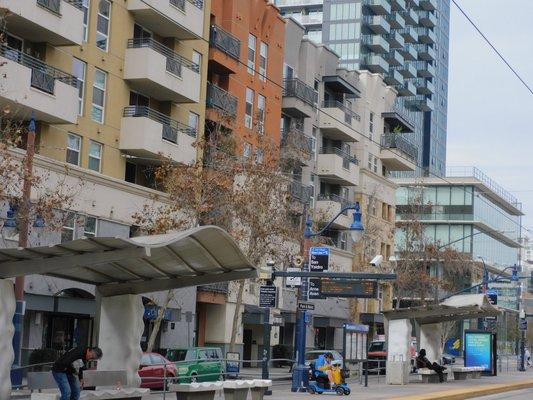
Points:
(320, 362)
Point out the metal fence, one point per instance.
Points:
(225, 41)
(348, 113)
(222, 100)
(396, 141)
(296, 88)
(346, 158)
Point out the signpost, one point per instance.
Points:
(319, 258)
(314, 291)
(268, 296)
(292, 281)
(306, 306)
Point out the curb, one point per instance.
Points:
(469, 393)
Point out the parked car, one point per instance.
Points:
(448, 359)
(198, 364)
(152, 371)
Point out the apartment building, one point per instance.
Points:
(114, 86)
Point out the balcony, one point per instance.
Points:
(428, 5)
(410, 16)
(221, 100)
(376, 43)
(420, 103)
(309, 20)
(58, 22)
(225, 51)
(378, 7)
(328, 205)
(393, 77)
(395, 59)
(377, 24)
(34, 86)
(147, 133)
(180, 19)
(426, 52)
(398, 118)
(398, 5)
(337, 167)
(299, 99)
(338, 122)
(425, 69)
(409, 52)
(300, 192)
(409, 34)
(295, 146)
(396, 21)
(426, 36)
(395, 40)
(406, 89)
(375, 63)
(397, 153)
(408, 70)
(423, 86)
(427, 19)
(157, 71)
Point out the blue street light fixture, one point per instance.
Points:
(300, 374)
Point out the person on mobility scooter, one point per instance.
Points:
(327, 376)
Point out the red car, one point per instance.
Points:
(152, 371)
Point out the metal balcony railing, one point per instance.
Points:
(296, 139)
(297, 88)
(348, 114)
(174, 61)
(43, 76)
(300, 192)
(220, 287)
(225, 42)
(396, 141)
(197, 3)
(170, 129)
(346, 158)
(335, 198)
(220, 99)
(178, 3)
(51, 5)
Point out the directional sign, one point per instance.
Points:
(319, 258)
(292, 281)
(268, 296)
(346, 288)
(314, 291)
(522, 324)
(306, 306)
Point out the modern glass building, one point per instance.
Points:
(407, 42)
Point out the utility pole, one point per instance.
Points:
(24, 219)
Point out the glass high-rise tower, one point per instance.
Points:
(405, 40)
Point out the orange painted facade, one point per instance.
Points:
(232, 21)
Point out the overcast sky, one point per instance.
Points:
(490, 113)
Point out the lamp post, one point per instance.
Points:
(300, 374)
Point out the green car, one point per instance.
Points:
(198, 364)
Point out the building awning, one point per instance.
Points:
(340, 85)
(455, 308)
(117, 266)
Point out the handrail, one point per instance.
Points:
(297, 88)
(341, 153)
(170, 127)
(297, 138)
(225, 41)
(397, 141)
(43, 76)
(299, 191)
(342, 106)
(221, 99)
(334, 197)
(174, 60)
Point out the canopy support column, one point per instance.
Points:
(7, 329)
(430, 340)
(399, 352)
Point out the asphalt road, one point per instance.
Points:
(517, 395)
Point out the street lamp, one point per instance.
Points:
(300, 374)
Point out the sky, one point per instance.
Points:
(490, 113)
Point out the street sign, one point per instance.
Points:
(291, 281)
(319, 258)
(492, 295)
(522, 325)
(314, 291)
(268, 296)
(306, 306)
(349, 288)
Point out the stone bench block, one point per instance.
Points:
(196, 391)
(430, 376)
(107, 394)
(260, 386)
(237, 390)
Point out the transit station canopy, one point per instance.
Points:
(117, 266)
(455, 308)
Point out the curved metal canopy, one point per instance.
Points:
(198, 256)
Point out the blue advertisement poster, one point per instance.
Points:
(478, 350)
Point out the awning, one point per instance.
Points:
(198, 256)
(340, 85)
(455, 308)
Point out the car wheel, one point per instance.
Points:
(168, 382)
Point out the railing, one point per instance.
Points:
(297, 139)
(348, 114)
(178, 3)
(335, 198)
(346, 158)
(297, 88)
(225, 42)
(396, 141)
(43, 76)
(300, 192)
(51, 5)
(174, 60)
(170, 127)
(220, 99)
(197, 3)
(220, 287)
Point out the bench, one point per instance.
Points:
(463, 373)
(196, 391)
(233, 390)
(260, 386)
(430, 376)
(237, 390)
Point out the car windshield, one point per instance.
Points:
(376, 346)
(177, 355)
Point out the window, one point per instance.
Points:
(343, 240)
(251, 54)
(67, 233)
(85, 5)
(247, 151)
(79, 68)
(261, 101)
(99, 87)
(259, 156)
(375, 169)
(95, 156)
(102, 24)
(197, 58)
(263, 56)
(73, 149)
(194, 120)
(249, 108)
(371, 125)
(89, 229)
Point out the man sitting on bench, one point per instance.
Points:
(423, 362)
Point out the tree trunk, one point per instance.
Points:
(236, 314)
(158, 320)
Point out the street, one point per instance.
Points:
(518, 395)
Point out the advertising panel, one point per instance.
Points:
(478, 350)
